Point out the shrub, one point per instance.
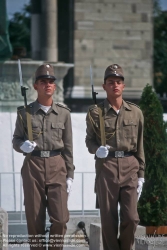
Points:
(152, 206)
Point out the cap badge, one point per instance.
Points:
(48, 66)
(115, 66)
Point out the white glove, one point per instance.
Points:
(28, 147)
(102, 151)
(139, 187)
(69, 184)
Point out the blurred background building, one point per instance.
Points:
(96, 33)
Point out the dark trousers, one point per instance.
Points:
(44, 184)
(117, 182)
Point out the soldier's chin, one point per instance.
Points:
(49, 93)
(117, 94)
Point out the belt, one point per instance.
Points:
(45, 154)
(119, 154)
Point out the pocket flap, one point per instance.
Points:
(35, 124)
(130, 122)
(58, 125)
(110, 123)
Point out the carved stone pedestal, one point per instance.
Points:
(10, 93)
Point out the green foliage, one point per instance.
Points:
(5, 46)
(152, 205)
(19, 29)
(160, 49)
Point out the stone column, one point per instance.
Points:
(49, 30)
(36, 29)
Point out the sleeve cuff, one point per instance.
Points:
(141, 174)
(70, 174)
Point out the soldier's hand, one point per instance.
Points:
(139, 187)
(28, 147)
(69, 184)
(102, 151)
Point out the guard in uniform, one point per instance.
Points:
(119, 163)
(48, 169)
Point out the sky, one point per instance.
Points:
(163, 4)
(17, 5)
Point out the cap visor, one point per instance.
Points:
(118, 75)
(45, 76)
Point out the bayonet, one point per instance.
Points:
(28, 112)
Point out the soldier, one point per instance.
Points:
(119, 162)
(47, 171)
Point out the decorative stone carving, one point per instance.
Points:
(10, 93)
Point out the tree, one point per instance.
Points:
(160, 49)
(152, 205)
(19, 30)
(5, 46)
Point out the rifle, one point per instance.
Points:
(91, 83)
(28, 113)
(102, 133)
(101, 119)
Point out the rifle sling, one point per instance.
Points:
(103, 140)
(29, 129)
(103, 143)
(29, 125)
(102, 127)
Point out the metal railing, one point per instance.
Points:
(21, 213)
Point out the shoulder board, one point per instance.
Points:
(30, 105)
(133, 104)
(20, 108)
(92, 107)
(96, 105)
(63, 106)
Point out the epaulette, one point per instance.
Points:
(133, 104)
(20, 108)
(92, 107)
(96, 105)
(63, 106)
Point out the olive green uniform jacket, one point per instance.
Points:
(124, 131)
(51, 131)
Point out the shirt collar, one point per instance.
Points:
(54, 107)
(107, 105)
(36, 107)
(126, 105)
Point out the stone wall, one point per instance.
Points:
(113, 31)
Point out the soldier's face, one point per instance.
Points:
(45, 87)
(114, 86)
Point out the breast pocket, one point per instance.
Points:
(110, 125)
(57, 130)
(130, 128)
(36, 129)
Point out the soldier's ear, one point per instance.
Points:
(35, 86)
(104, 86)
